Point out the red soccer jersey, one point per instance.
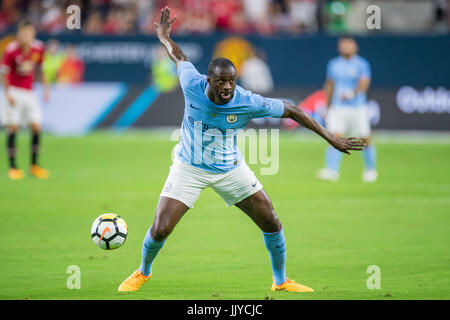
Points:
(20, 67)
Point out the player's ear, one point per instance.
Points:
(208, 78)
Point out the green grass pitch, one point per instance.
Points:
(334, 231)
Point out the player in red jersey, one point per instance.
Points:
(21, 59)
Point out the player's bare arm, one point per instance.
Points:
(363, 85)
(163, 29)
(342, 144)
(5, 84)
(328, 89)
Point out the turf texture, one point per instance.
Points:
(334, 231)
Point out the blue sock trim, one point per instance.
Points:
(274, 233)
(276, 245)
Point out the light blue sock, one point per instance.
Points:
(276, 244)
(333, 158)
(370, 157)
(150, 249)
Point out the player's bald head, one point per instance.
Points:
(220, 66)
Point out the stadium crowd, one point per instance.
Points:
(62, 64)
(122, 17)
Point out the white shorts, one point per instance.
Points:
(348, 121)
(26, 108)
(186, 182)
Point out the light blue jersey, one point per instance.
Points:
(209, 131)
(345, 74)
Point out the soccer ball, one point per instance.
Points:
(109, 231)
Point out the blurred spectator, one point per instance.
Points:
(196, 22)
(256, 10)
(34, 12)
(224, 10)
(94, 23)
(123, 17)
(442, 16)
(255, 74)
(164, 73)
(303, 14)
(72, 68)
(336, 12)
(112, 22)
(144, 9)
(9, 13)
(281, 17)
(53, 17)
(258, 14)
(53, 61)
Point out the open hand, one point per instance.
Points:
(346, 144)
(165, 24)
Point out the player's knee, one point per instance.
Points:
(271, 224)
(269, 221)
(12, 129)
(35, 128)
(160, 231)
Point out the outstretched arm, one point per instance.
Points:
(163, 32)
(328, 89)
(341, 144)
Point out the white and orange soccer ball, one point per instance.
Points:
(109, 231)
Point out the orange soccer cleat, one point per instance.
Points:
(134, 282)
(15, 174)
(39, 172)
(291, 286)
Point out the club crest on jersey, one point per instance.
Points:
(35, 57)
(231, 118)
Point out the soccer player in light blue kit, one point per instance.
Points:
(207, 156)
(348, 79)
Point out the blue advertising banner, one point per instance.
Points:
(294, 61)
(78, 109)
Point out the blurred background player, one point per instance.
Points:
(20, 60)
(348, 79)
(164, 71)
(255, 74)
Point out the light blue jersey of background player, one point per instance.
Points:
(346, 74)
